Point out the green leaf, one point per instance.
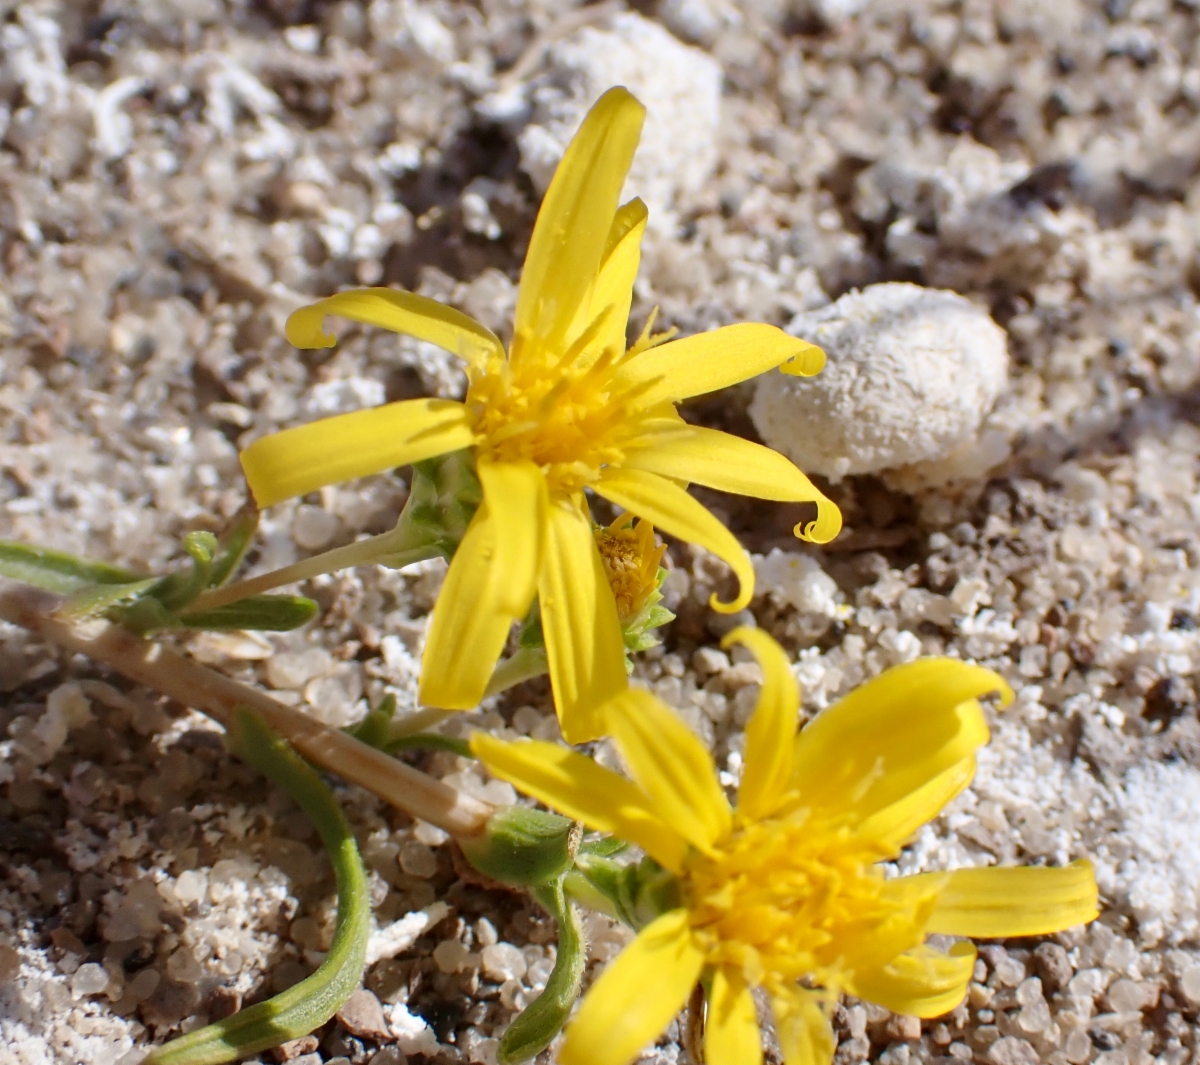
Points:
(536, 1026)
(310, 1003)
(267, 613)
(235, 541)
(374, 729)
(429, 740)
(97, 598)
(56, 571)
(179, 589)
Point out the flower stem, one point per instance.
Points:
(220, 697)
(402, 546)
(525, 664)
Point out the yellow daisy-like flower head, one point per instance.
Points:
(786, 892)
(568, 408)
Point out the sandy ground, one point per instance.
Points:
(177, 175)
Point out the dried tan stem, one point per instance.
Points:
(192, 684)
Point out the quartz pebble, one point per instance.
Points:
(1009, 1050)
(417, 859)
(503, 961)
(89, 979)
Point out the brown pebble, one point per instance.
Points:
(222, 1002)
(295, 1048)
(1053, 966)
(10, 963)
(68, 942)
(362, 1015)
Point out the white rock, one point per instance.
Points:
(680, 86)
(911, 374)
(798, 581)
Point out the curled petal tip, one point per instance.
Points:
(742, 601)
(304, 329)
(824, 527)
(807, 362)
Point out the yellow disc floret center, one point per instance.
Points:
(564, 418)
(631, 560)
(797, 899)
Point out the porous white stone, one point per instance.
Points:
(911, 373)
(679, 85)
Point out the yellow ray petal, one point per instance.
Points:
(491, 583)
(731, 1023)
(731, 464)
(295, 461)
(771, 733)
(805, 1036)
(922, 982)
(578, 788)
(706, 362)
(584, 646)
(671, 766)
(636, 996)
(573, 224)
(400, 312)
(893, 735)
(895, 825)
(515, 493)
(1032, 901)
(665, 504)
(613, 293)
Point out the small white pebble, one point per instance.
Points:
(183, 968)
(313, 528)
(89, 979)
(485, 933)
(191, 886)
(430, 835)
(1078, 1047)
(1126, 996)
(1189, 983)
(526, 719)
(1010, 971)
(416, 859)
(503, 961)
(710, 660)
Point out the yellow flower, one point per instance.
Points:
(786, 892)
(631, 560)
(568, 408)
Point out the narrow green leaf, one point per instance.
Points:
(56, 571)
(373, 730)
(235, 541)
(310, 1003)
(430, 740)
(267, 613)
(179, 589)
(97, 598)
(534, 1028)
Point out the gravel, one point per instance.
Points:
(176, 177)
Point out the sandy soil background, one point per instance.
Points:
(177, 175)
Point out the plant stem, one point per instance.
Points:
(524, 664)
(219, 696)
(402, 546)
